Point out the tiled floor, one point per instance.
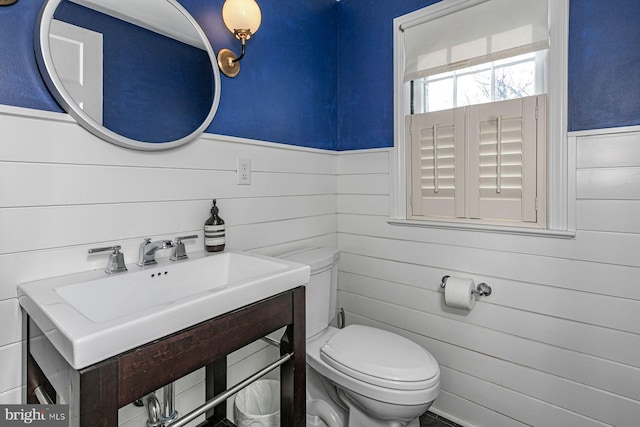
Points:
(432, 420)
(427, 420)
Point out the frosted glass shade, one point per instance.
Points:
(241, 15)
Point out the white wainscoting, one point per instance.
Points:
(557, 344)
(63, 191)
(558, 341)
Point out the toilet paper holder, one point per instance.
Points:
(482, 289)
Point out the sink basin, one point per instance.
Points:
(89, 317)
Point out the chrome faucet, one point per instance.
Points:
(148, 251)
(116, 259)
(179, 252)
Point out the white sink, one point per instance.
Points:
(92, 316)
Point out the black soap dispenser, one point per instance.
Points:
(214, 231)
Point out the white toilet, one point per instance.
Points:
(359, 376)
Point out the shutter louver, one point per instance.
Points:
(437, 161)
(501, 165)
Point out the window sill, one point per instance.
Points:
(485, 228)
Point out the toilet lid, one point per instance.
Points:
(317, 258)
(380, 357)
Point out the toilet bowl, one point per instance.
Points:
(359, 376)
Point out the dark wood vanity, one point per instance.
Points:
(113, 383)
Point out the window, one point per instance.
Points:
(511, 78)
(480, 99)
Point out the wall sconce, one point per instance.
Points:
(242, 18)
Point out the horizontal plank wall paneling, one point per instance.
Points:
(11, 331)
(603, 150)
(453, 255)
(122, 221)
(63, 191)
(11, 363)
(558, 341)
(56, 138)
(59, 185)
(609, 215)
(12, 396)
(609, 183)
(545, 328)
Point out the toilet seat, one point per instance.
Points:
(366, 388)
(380, 358)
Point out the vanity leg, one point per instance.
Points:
(99, 395)
(293, 372)
(36, 378)
(216, 383)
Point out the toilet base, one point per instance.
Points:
(328, 406)
(315, 421)
(366, 412)
(323, 407)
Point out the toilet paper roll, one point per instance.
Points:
(457, 293)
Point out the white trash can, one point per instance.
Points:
(258, 405)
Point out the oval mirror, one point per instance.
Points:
(140, 74)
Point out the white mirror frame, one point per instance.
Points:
(60, 93)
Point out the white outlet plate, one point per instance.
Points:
(244, 171)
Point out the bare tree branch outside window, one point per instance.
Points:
(481, 84)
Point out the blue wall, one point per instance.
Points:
(286, 89)
(365, 73)
(604, 64)
(20, 82)
(318, 72)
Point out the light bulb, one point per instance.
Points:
(241, 15)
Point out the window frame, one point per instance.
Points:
(560, 201)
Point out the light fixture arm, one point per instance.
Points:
(228, 62)
(243, 40)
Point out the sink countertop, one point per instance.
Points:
(92, 316)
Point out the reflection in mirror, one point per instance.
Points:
(142, 79)
(77, 58)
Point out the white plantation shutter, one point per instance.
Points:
(480, 162)
(503, 157)
(437, 163)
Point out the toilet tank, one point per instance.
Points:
(322, 290)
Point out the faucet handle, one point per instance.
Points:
(180, 239)
(179, 252)
(116, 259)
